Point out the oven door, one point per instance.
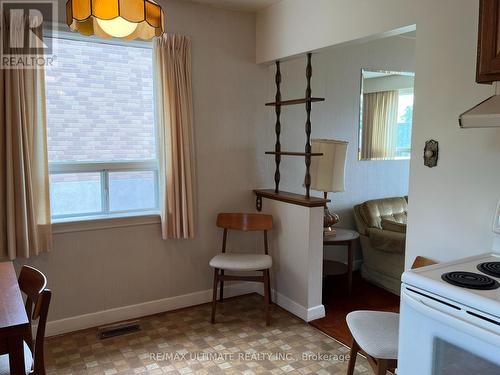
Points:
(437, 337)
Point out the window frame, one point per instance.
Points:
(361, 106)
(403, 92)
(104, 168)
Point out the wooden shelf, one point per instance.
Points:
(307, 154)
(292, 198)
(295, 101)
(288, 153)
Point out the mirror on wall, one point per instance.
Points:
(386, 113)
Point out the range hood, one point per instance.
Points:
(484, 115)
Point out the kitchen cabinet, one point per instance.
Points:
(488, 46)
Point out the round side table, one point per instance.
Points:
(344, 237)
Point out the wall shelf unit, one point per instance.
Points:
(289, 153)
(295, 102)
(276, 194)
(287, 197)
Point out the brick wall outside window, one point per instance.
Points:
(100, 108)
(100, 103)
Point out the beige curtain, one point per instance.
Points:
(25, 227)
(379, 132)
(174, 117)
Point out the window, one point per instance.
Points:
(385, 115)
(405, 116)
(100, 129)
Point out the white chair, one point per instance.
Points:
(243, 262)
(376, 334)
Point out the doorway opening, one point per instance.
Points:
(370, 90)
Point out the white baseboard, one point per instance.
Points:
(114, 315)
(293, 307)
(316, 312)
(76, 323)
(297, 309)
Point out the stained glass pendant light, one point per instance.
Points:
(125, 19)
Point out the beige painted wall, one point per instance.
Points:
(336, 77)
(452, 205)
(101, 269)
(291, 27)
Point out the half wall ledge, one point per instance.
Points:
(287, 197)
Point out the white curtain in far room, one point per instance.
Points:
(380, 115)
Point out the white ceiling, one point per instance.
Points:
(242, 5)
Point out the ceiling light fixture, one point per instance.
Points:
(126, 19)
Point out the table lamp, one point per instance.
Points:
(327, 174)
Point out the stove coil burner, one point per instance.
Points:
(490, 268)
(470, 280)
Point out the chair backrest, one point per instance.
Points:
(244, 222)
(33, 283)
(422, 262)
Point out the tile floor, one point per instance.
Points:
(184, 342)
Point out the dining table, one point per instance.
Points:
(14, 323)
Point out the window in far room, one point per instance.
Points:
(386, 112)
(404, 123)
(100, 130)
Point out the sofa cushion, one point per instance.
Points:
(374, 211)
(387, 241)
(393, 226)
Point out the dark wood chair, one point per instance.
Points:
(243, 262)
(33, 283)
(375, 333)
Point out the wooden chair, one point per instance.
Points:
(421, 262)
(375, 333)
(33, 283)
(243, 261)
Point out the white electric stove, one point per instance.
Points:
(450, 318)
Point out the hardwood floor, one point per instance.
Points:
(338, 304)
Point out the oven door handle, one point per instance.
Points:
(450, 319)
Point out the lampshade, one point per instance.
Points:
(126, 19)
(327, 171)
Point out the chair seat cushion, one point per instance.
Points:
(241, 262)
(28, 361)
(376, 332)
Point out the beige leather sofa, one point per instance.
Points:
(382, 227)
